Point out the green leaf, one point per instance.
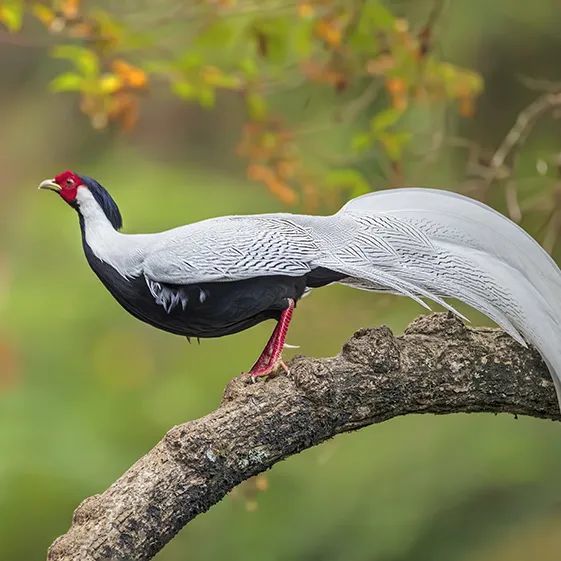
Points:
(206, 96)
(272, 39)
(348, 178)
(361, 141)
(84, 60)
(374, 18)
(220, 34)
(378, 15)
(189, 61)
(385, 119)
(249, 67)
(67, 82)
(11, 14)
(183, 89)
(302, 38)
(256, 106)
(394, 143)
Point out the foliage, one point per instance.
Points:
(378, 65)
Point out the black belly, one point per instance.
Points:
(226, 308)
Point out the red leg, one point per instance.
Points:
(265, 356)
(270, 358)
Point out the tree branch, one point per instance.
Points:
(437, 366)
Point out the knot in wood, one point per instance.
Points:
(375, 348)
(445, 323)
(313, 378)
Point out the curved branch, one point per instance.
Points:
(437, 366)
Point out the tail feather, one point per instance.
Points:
(437, 245)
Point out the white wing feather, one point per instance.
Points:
(232, 248)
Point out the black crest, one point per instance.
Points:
(105, 201)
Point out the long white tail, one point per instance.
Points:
(437, 244)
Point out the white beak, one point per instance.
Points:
(50, 184)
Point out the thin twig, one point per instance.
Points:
(520, 130)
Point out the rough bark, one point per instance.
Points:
(437, 366)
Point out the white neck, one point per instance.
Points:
(124, 252)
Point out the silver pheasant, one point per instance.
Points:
(226, 274)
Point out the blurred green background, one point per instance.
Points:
(85, 389)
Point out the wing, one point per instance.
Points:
(233, 248)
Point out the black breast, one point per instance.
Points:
(204, 309)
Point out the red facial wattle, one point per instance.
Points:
(68, 183)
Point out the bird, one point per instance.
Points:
(223, 275)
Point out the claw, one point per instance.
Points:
(287, 346)
(283, 365)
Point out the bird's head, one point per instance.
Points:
(79, 191)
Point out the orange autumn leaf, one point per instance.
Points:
(282, 191)
(325, 75)
(466, 106)
(258, 172)
(69, 8)
(397, 88)
(82, 30)
(329, 31)
(264, 174)
(132, 76)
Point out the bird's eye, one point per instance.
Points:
(69, 182)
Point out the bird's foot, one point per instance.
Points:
(264, 370)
